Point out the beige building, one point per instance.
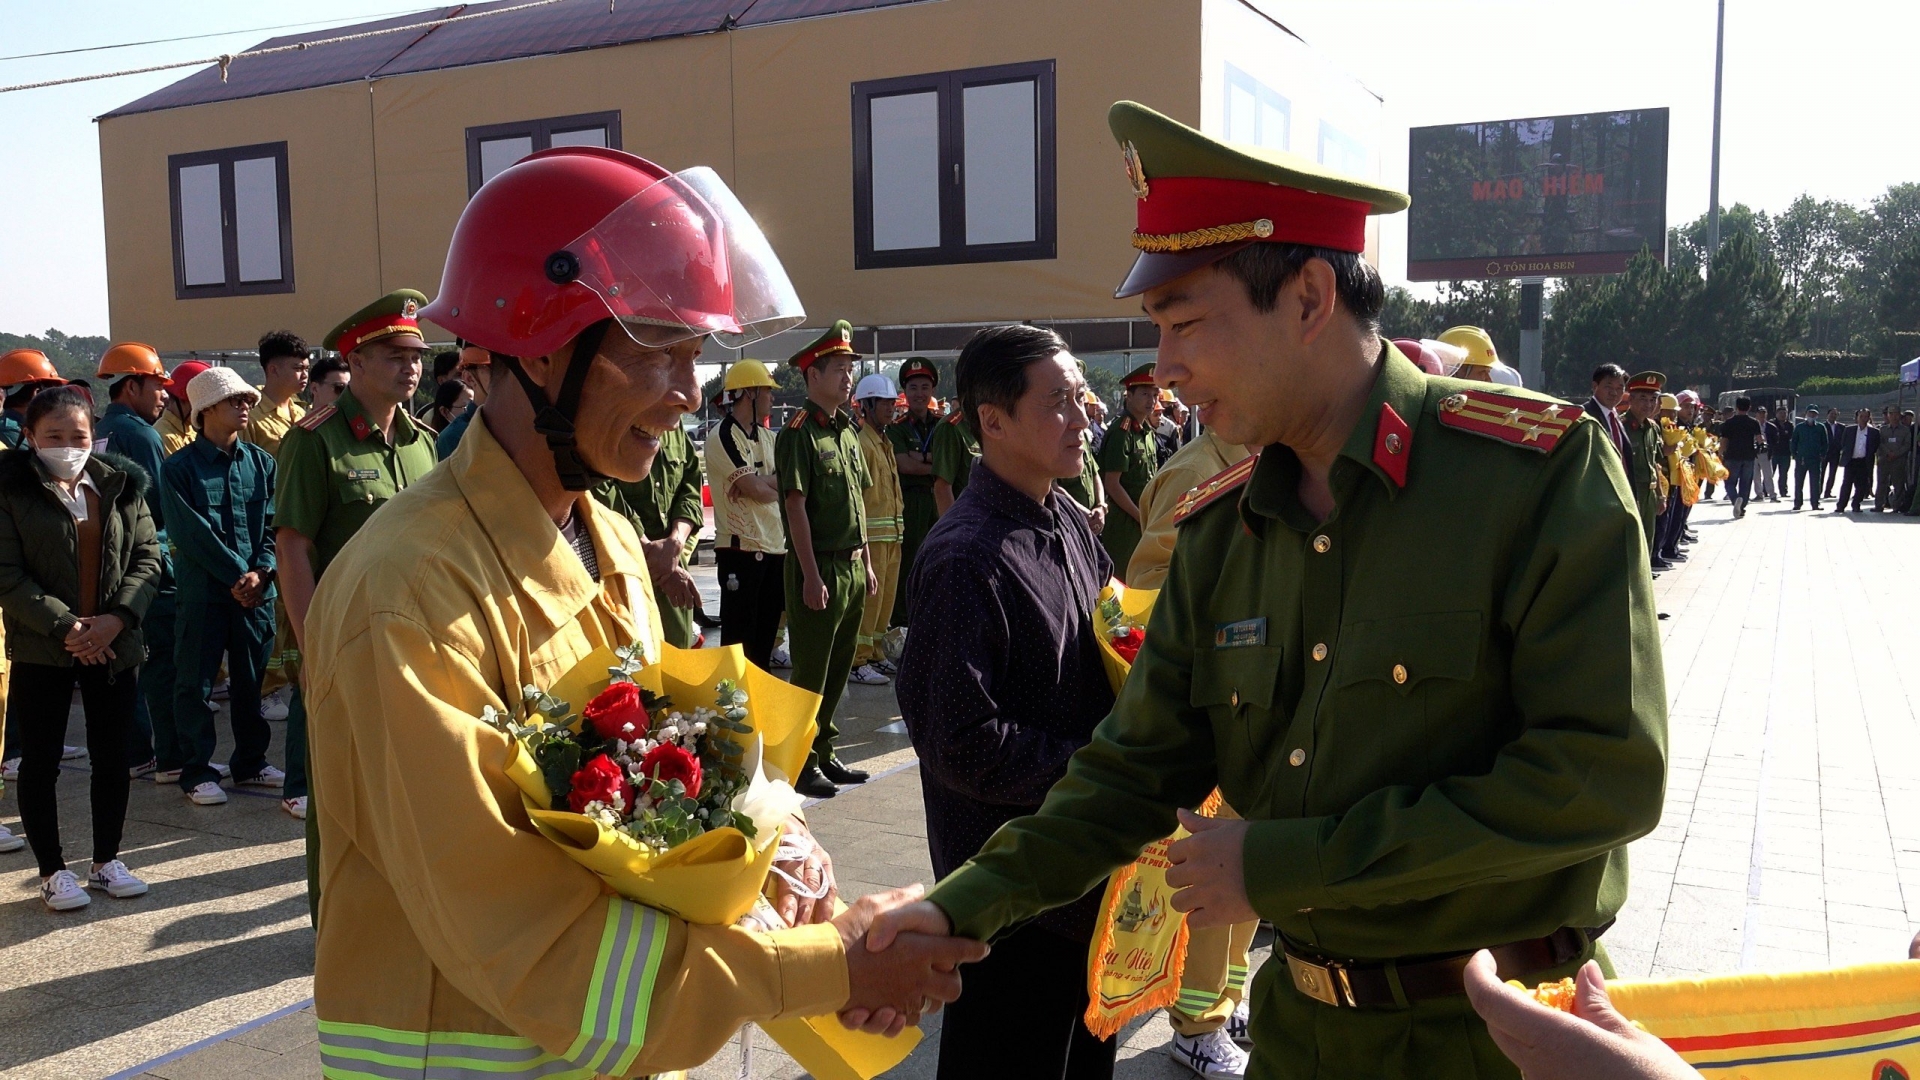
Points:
(921, 166)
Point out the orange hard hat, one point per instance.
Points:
(21, 366)
(130, 358)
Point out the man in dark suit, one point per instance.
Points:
(1609, 386)
(1860, 445)
(1836, 450)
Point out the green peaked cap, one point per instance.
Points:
(392, 314)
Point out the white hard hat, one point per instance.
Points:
(1503, 374)
(875, 386)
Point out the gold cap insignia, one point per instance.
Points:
(408, 308)
(1453, 403)
(1136, 173)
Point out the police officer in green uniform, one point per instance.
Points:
(822, 475)
(912, 437)
(955, 449)
(1428, 763)
(666, 509)
(1649, 453)
(337, 466)
(1128, 458)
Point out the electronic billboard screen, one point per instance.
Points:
(1547, 197)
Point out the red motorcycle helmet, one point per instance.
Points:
(573, 235)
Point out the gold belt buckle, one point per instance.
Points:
(1325, 983)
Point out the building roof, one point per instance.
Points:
(566, 26)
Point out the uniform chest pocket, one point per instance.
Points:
(1236, 676)
(213, 493)
(1406, 650)
(365, 492)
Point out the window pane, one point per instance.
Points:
(497, 154)
(1241, 114)
(1273, 123)
(593, 136)
(1000, 161)
(256, 218)
(906, 171)
(202, 245)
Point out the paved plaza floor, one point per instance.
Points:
(1791, 836)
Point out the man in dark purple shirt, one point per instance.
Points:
(1002, 681)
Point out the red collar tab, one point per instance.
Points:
(1392, 444)
(1536, 425)
(1210, 490)
(359, 426)
(1181, 213)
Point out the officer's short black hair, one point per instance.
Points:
(1265, 268)
(992, 369)
(276, 344)
(444, 362)
(326, 366)
(1743, 403)
(1608, 371)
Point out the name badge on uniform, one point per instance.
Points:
(829, 456)
(363, 474)
(1237, 635)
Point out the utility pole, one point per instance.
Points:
(1713, 196)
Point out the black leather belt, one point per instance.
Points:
(1363, 984)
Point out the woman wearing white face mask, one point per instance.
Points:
(78, 559)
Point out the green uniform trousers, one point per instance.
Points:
(1120, 537)
(822, 642)
(920, 513)
(1434, 1039)
(676, 624)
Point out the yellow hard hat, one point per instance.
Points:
(746, 375)
(1475, 342)
(1166, 395)
(1669, 401)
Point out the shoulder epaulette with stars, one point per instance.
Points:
(314, 419)
(1536, 425)
(1211, 489)
(956, 418)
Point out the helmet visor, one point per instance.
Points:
(683, 259)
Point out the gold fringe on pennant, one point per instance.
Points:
(1199, 238)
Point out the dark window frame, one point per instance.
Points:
(229, 230)
(953, 248)
(540, 132)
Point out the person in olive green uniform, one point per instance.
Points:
(828, 578)
(912, 438)
(1649, 451)
(1128, 459)
(337, 466)
(666, 510)
(1427, 764)
(955, 449)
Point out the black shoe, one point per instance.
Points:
(833, 770)
(1674, 556)
(703, 620)
(1660, 564)
(815, 786)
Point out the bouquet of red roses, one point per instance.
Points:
(1120, 619)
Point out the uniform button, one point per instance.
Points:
(1320, 651)
(1297, 758)
(1236, 699)
(1321, 544)
(1400, 673)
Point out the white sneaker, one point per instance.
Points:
(166, 776)
(135, 772)
(10, 842)
(1211, 1054)
(1240, 1025)
(219, 691)
(885, 667)
(69, 753)
(780, 658)
(115, 879)
(207, 794)
(62, 892)
(10, 769)
(267, 777)
(274, 705)
(866, 676)
(225, 772)
(295, 806)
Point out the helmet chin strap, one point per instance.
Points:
(555, 418)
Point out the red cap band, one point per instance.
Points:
(1177, 205)
(376, 328)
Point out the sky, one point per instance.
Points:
(1819, 98)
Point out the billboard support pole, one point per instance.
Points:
(1713, 196)
(1532, 295)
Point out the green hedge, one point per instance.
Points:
(1866, 384)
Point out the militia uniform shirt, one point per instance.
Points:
(1441, 709)
(818, 455)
